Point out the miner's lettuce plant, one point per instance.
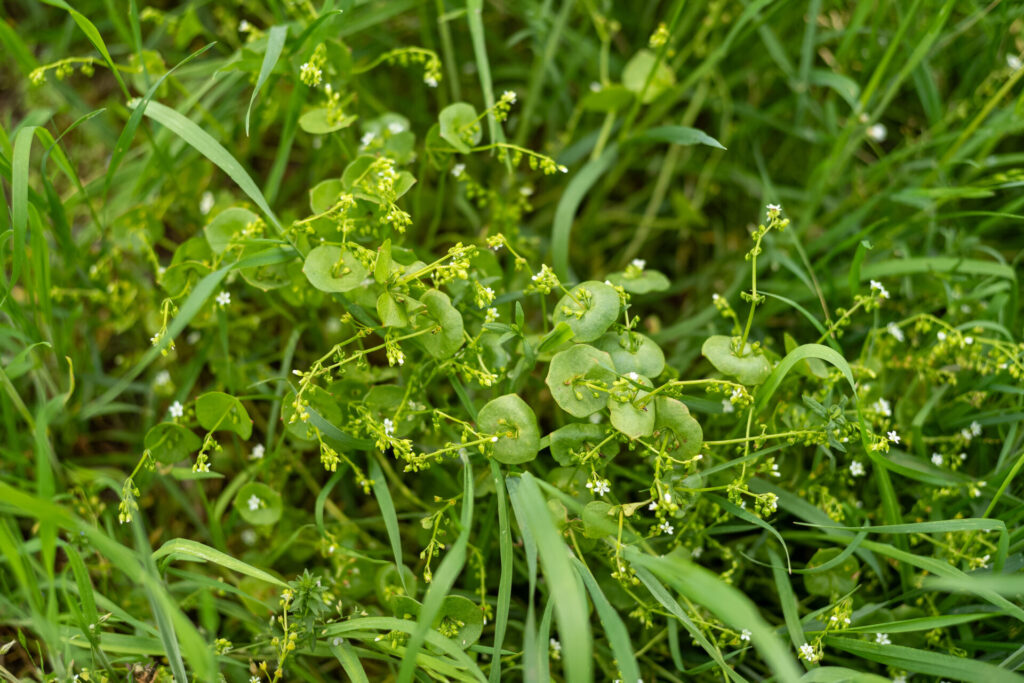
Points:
(357, 341)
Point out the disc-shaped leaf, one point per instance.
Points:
(597, 523)
(589, 309)
(388, 584)
(318, 399)
(459, 127)
(643, 282)
(464, 616)
(575, 377)
(514, 423)
(258, 504)
(633, 352)
(319, 121)
(631, 420)
(226, 225)
(217, 411)
(169, 442)
(440, 314)
(673, 420)
(750, 369)
(836, 580)
(329, 268)
(324, 194)
(575, 438)
(389, 312)
(639, 67)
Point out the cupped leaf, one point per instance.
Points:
(169, 442)
(321, 121)
(226, 225)
(324, 194)
(633, 352)
(515, 425)
(641, 282)
(459, 126)
(258, 504)
(589, 309)
(462, 616)
(750, 368)
(838, 580)
(318, 400)
(645, 64)
(330, 268)
(576, 438)
(447, 337)
(673, 420)
(598, 520)
(217, 411)
(389, 312)
(389, 584)
(634, 418)
(575, 378)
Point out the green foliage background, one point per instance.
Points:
(855, 511)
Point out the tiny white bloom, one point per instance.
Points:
(774, 209)
(254, 502)
(877, 132)
(941, 335)
(727, 407)
(224, 298)
(244, 26)
(966, 433)
(249, 537)
(745, 635)
(633, 376)
(895, 331)
(177, 410)
(203, 467)
(666, 528)
(162, 378)
(509, 96)
(389, 427)
(457, 171)
(595, 418)
(775, 470)
(882, 291)
(258, 451)
(697, 552)
(893, 436)
(936, 459)
(968, 340)
(395, 128)
(882, 406)
(899, 679)
(555, 645)
(638, 263)
(430, 80)
(206, 203)
(254, 679)
(857, 468)
(882, 639)
(807, 652)
(1013, 61)
(367, 138)
(976, 428)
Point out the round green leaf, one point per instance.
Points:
(320, 400)
(567, 372)
(633, 352)
(464, 615)
(513, 422)
(439, 310)
(635, 75)
(169, 442)
(609, 98)
(838, 580)
(589, 309)
(217, 411)
(597, 522)
(319, 122)
(749, 369)
(389, 312)
(388, 584)
(331, 269)
(578, 437)
(459, 126)
(644, 282)
(673, 419)
(226, 225)
(258, 504)
(632, 421)
(324, 194)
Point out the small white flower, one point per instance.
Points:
(1013, 61)
(882, 639)
(224, 298)
(976, 428)
(877, 287)
(638, 263)
(715, 297)
(162, 378)
(367, 138)
(775, 470)
(206, 203)
(807, 652)
(395, 128)
(203, 467)
(389, 427)
(492, 315)
(968, 340)
(727, 406)
(697, 552)
(555, 645)
(936, 459)
(244, 26)
(966, 433)
(745, 635)
(882, 406)
(899, 679)
(893, 436)
(877, 132)
(666, 528)
(177, 410)
(249, 537)
(599, 486)
(457, 171)
(857, 468)
(494, 439)
(254, 502)
(774, 209)
(941, 335)
(633, 376)
(509, 96)
(254, 679)
(430, 81)
(258, 451)
(895, 331)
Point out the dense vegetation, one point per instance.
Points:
(580, 340)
